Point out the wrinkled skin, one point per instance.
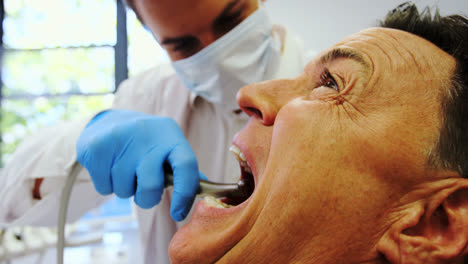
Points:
(334, 169)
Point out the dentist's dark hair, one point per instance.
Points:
(449, 33)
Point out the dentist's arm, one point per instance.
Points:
(31, 182)
(124, 152)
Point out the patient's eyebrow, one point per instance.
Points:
(344, 53)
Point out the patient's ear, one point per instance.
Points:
(430, 230)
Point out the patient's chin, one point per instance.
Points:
(180, 247)
(185, 248)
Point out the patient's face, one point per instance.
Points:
(332, 152)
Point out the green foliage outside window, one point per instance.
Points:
(57, 71)
(22, 117)
(58, 63)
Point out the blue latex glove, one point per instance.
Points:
(124, 152)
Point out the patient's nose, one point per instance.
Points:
(264, 100)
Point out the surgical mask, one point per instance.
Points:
(245, 55)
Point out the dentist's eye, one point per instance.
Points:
(327, 80)
(186, 46)
(227, 22)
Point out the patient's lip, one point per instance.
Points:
(243, 162)
(247, 156)
(212, 214)
(203, 209)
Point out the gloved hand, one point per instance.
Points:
(124, 152)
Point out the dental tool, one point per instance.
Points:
(239, 190)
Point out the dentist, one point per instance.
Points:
(184, 113)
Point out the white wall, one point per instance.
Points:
(322, 23)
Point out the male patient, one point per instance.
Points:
(361, 159)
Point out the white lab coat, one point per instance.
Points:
(50, 153)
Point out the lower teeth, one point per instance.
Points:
(214, 202)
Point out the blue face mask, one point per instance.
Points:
(245, 55)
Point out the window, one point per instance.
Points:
(63, 59)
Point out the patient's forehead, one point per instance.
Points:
(397, 52)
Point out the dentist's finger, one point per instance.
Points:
(150, 179)
(186, 180)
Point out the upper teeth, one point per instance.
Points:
(241, 158)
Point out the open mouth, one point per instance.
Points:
(246, 184)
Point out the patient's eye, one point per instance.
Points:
(327, 80)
